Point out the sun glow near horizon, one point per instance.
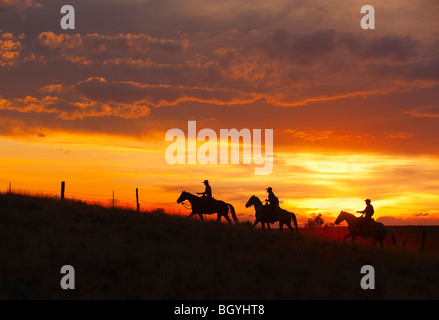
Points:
(306, 183)
(353, 113)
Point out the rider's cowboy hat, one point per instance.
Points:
(269, 188)
(368, 200)
(205, 181)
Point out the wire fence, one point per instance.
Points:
(109, 200)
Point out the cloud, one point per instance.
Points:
(98, 97)
(430, 111)
(340, 86)
(102, 47)
(396, 48)
(399, 135)
(284, 67)
(71, 110)
(411, 220)
(99, 89)
(314, 45)
(312, 136)
(20, 5)
(52, 40)
(420, 214)
(10, 49)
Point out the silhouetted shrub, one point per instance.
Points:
(316, 221)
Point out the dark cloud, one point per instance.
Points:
(396, 48)
(420, 214)
(101, 47)
(315, 44)
(128, 57)
(99, 89)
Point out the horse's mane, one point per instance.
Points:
(189, 194)
(345, 213)
(257, 199)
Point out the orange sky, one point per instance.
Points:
(354, 112)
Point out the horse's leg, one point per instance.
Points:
(192, 214)
(281, 226)
(268, 225)
(346, 236)
(290, 227)
(288, 222)
(353, 238)
(227, 218)
(201, 216)
(256, 222)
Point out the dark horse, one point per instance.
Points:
(204, 205)
(356, 229)
(262, 215)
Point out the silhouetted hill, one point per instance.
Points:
(124, 254)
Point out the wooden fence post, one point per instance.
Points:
(113, 199)
(137, 199)
(423, 241)
(10, 188)
(63, 188)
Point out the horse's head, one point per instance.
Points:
(250, 201)
(341, 217)
(182, 197)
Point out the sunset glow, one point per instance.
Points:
(354, 112)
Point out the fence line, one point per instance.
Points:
(106, 200)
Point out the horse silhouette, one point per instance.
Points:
(356, 229)
(262, 215)
(205, 205)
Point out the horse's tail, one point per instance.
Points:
(232, 211)
(393, 236)
(295, 221)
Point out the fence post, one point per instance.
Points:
(137, 199)
(423, 241)
(113, 199)
(10, 188)
(63, 188)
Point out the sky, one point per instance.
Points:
(354, 112)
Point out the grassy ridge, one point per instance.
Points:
(123, 254)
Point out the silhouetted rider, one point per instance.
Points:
(367, 215)
(272, 199)
(207, 191)
(273, 204)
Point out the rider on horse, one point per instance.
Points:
(274, 208)
(366, 225)
(207, 191)
(207, 194)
